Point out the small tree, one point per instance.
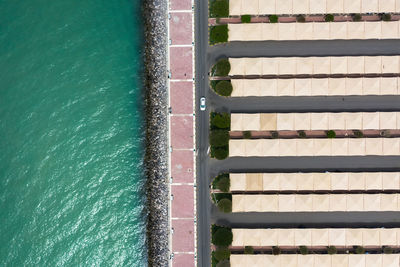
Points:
(330, 134)
(219, 8)
(276, 250)
(220, 153)
(218, 34)
(358, 133)
(274, 134)
(224, 263)
(303, 250)
(356, 17)
(300, 18)
(224, 88)
(220, 120)
(387, 250)
(386, 17)
(331, 250)
(225, 205)
(245, 18)
(219, 138)
(246, 134)
(222, 67)
(224, 184)
(222, 253)
(329, 18)
(222, 237)
(248, 250)
(273, 18)
(302, 134)
(359, 250)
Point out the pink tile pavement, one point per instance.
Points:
(180, 28)
(181, 95)
(183, 202)
(182, 166)
(181, 5)
(181, 63)
(182, 132)
(183, 260)
(183, 237)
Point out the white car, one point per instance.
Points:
(202, 103)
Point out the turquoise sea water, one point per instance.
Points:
(71, 133)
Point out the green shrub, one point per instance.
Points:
(245, 18)
(274, 134)
(330, 134)
(218, 34)
(331, 250)
(386, 17)
(224, 88)
(221, 68)
(225, 205)
(222, 237)
(214, 260)
(303, 250)
(220, 153)
(300, 18)
(329, 18)
(248, 250)
(302, 134)
(358, 133)
(218, 196)
(359, 250)
(246, 134)
(387, 250)
(273, 18)
(224, 184)
(218, 178)
(224, 263)
(276, 250)
(356, 17)
(219, 8)
(219, 138)
(385, 133)
(222, 253)
(220, 120)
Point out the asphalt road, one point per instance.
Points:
(206, 56)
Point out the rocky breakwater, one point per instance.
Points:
(155, 81)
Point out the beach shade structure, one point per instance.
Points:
(253, 203)
(390, 64)
(268, 122)
(303, 237)
(238, 237)
(338, 31)
(388, 237)
(389, 202)
(370, 120)
(285, 121)
(388, 120)
(337, 86)
(254, 182)
(288, 261)
(286, 31)
(372, 147)
(250, 7)
(287, 147)
(322, 181)
(286, 237)
(390, 260)
(305, 31)
(371, 238)
(304, 203)
(236, 148)
(373, 260)
(334, 6)
(238, 203)
(305, 147)
(355, 202)
(285, 87)
(269, 237)
(339, 181)
(287, 182)
(237, 88)
(338, 202)
(319, 121)
(354, 86)
(355, 65)
(270, 66)
(322, 260)
(319, 237)
(286, 203)
(368, 5)
(356, 181)
(339, 260)
(373, 181)
(357, 260)
(352, 6)
(235, 32)
(305, 260)
(252, 237)
(237, 181)
(253, 66)
(390, 146)
(340, 147)
(305, 182)
(372, 202)
(251, 122)
(390, 180)
(387, 6)
(321, 203)
(354, 121)
(389, 85)
(236, 122)
(356, 30)
(271, 181)
(269, 203)
(337, 121)
(372, 86)
(354, 237)
(238, 260)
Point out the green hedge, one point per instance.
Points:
(329, 18)
(330, 134)
(273, 18)
(302, 134)
(219, 178)
(224, 88)
(303, 250)
(222, 253)
(386, 17)
(219, 138)
(247, 134)
(222, 237)
(219, 8)
(224, 184)
(300, 18)
(359, 250)
(221, 68)
(218, 34)
(245, 18)
(357, 17)
(220, 153)
(248, 250)
(358, 133)
(220, 120)
(224, 263)
(331, 250)
(225, 205)
(218, 196)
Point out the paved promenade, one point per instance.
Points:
(182, 132)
